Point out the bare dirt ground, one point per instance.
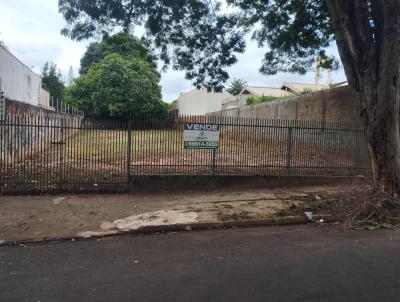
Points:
(43, 217)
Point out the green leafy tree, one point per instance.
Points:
(172, 105)
(236, 86)
(52, 81)
(190, 35)
(122, 43)
(204, 41)
(117, 87)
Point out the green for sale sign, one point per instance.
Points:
(200, 136)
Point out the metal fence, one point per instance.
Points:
(82, 155)
(63, 107)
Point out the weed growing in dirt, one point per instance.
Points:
(368, 209)
(224, 215)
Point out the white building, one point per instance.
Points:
(44, 99)
(17, 81)
(200, 101)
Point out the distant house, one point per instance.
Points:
(200, 101)
(286, 90)
(241, 99)
(19, 83)
(301, 88)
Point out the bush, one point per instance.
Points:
(254, 100)
(306, 91)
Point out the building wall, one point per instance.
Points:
(18, 141)
(337, 104)
(17, 81)
(44, 99)
(200, 102)
(237, 101)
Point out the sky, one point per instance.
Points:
(31, 31)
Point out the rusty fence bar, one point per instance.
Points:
(62, 154)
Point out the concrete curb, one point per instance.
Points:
(183, 227)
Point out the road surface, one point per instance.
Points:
(294, 263)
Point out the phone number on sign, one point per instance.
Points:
(201, 145)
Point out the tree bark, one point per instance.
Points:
(382, 129)
(367, 34)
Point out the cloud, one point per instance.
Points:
(31, 30)
(173, 83)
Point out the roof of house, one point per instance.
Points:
(266, 91)
(300, 87)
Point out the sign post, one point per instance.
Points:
(202, 136)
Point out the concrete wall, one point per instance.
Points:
(44, 99)
(332, 105)
(17, 81)
(17, 140)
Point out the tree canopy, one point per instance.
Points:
(203, 40)
(121, 43)
(190, 35)
(117, 87)
(295, 33)
(172, 106)
(52, 81)
(198, 37)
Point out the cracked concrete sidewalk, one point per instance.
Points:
(26, 218)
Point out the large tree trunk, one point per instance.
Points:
(367, 34)
(382, 129)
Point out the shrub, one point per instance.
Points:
(254, 100)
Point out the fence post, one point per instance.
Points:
(128, 155)
(289, 151)
(214, 159)
(61, 150)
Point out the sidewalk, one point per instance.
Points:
(26, 218)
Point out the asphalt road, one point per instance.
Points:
(297, 263)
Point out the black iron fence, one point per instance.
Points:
(81, 155)
(63, 107)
